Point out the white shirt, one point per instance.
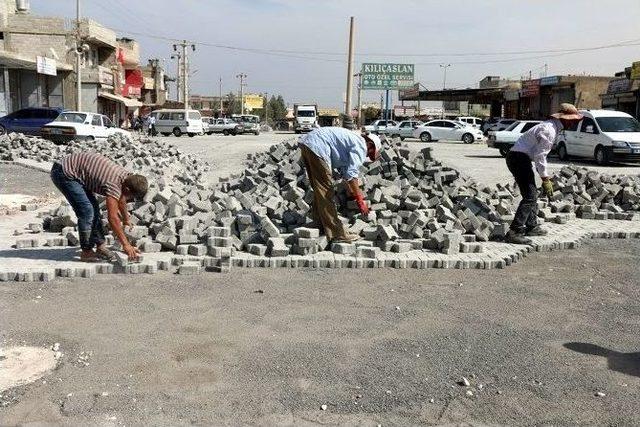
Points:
(537, 143)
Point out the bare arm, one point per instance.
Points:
(113, 205)
(122, 208)
(353, 185)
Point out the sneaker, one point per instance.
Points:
(536, 231)
(517, 238)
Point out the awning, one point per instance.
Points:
(14, 60)
(128, 102)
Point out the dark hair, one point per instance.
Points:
(137, 185)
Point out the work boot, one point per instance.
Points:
(517, 238)
(536, 231)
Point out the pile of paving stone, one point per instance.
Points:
(416, 203)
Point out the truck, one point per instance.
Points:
(305, 117)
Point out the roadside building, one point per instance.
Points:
(25, 42)
(539, 98)
(623, 92)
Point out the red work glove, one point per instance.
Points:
(362, 205)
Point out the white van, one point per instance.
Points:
(475, 122)
(603, 135)
(173, 122)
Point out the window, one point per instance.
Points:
(437, 123)
(405, 124)
(52, 114)
(96, 121)
(449, 124)
(177, 116)
(513, 127)
(164, 116)
(528, 126)
(71, 117)
(618, 124)
(108, 123)
(306, 113)
(588, 125)
(194, 115)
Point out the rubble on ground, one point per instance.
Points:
(416, 203)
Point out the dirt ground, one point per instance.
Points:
(537, 341)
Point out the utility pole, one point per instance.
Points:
(241, 76)
(359, 76)
(220, 93)
(185, 71)
(444, 84)
(546, 69)
(178, 75)
(266, 108)
(347, 105)
(79, 52)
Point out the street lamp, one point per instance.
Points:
(241, 76)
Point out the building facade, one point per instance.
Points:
(623, 92)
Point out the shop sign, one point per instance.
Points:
(635, 70)
(511, 95)
(618, 85)
(413, 92)
(530, 88)
(105, 76)
(404, 110)
(253, 102)
(46, 65)
(549, 81)
(387, 76)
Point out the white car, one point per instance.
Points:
(476, 122)
(603, 135)
(80, 126)
(403, 130)
(496, 125)
(449, 130)
(379, 127)
(503, 140)
(173, 121)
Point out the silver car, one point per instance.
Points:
(404, 129)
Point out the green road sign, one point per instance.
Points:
(387, 76)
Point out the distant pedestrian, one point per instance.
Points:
(333, 148)
(152, 125)
(82, 175)
(534, 146)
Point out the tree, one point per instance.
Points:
(233, 106)
(370, 114)
(277, 108)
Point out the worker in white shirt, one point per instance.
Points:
(534, 146)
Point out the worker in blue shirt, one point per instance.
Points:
(334, 148)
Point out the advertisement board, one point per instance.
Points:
(404, 110)
(253, 102)
(635, 71)
(381, 76)
(411, 93)
(46, 65)
(530, 88)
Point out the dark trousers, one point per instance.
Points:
(85, 206)
(526, 216)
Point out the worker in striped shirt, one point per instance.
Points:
(82, 175)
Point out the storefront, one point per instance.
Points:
(622, 95)
(118, 108)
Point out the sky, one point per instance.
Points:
(298, 48)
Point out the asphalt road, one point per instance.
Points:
(537, 340)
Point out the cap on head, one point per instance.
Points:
(375, 139)
(567, 112)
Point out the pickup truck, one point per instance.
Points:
(225, 127)
(379, 127)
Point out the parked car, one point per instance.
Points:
(447, 129)
(379, 127)
(476, 122)
(403, 130)
(206, 125)
(250, 123)
(503, 140)
(226, 127)
(28, 120)
(173, 122)
(500, 124)
(603, 135)
(80, 126)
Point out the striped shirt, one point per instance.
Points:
(96, 173)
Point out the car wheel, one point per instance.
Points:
(467, 138)
(225, 132)
(90, 138)
(256, 133)
(503, 151)
(191, 134)
(177, 132)
(165, 133)
(402, 138)
(562, 152)
(425, 137)
(3, 130)
(601, 156)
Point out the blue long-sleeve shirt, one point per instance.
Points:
(340, 148)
